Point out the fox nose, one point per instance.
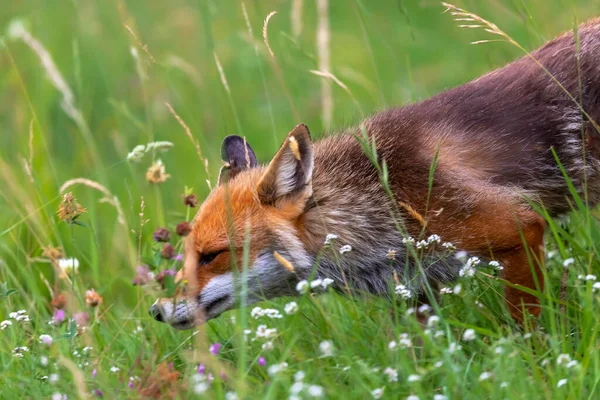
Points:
(156, 312)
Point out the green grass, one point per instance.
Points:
(387, 53)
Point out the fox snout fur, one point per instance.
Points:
(498, 143)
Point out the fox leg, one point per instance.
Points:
(511, 234)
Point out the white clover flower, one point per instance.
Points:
(485, 376)
(392, 345)
(413, 378)
(407, 240)
(563, 359)
(562, 383)
(291, 308)
(330, 238)
(68, 265)
(267, 346)
(421, 244)
(302, 286)
(5, 324)
(568, 261)
(454, 347)
(469, 335)
(448, 246)
(345, 249)
(377, 393)
(46, 339)
(326, 348)
(276, 368)
(315, 391)
(445, 290)
(392, 374)
(590, 277)
(114, 369)
(257, 312)
(434, 239)
(403, 291)
(433, 321)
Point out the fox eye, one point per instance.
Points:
(207, 258)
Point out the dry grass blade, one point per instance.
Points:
(108, 196)
(329, 75)
(265, 32)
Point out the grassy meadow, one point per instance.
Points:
(84, 82)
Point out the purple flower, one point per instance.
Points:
(143, 275)
(81, 318)
(58, 317)
(179, 257)
(223, 375)
(161, 235)
(262, 361)
(210, 377)
(94, 373)
(215, 348)
(201, 369)
(99, 393)
(130, 384)
(170, 272)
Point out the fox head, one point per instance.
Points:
(252, 217)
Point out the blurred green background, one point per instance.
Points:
(387, 53)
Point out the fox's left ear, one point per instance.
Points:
(237, 155)
(289, 175)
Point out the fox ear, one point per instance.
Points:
(290, 172)
(237, 155)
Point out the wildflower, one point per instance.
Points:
(53, 378)
(298, 376)
(58, 317)
(94, 373)
(326, 283)
(44, 361)
(424, 309)
(201, 387)
(562, 383)
(302, 286)
(596, 286)
(5, 324)
(408, 240)
(345, 249)
(257, 312)
(403, 291)
(276, 368)
(69, 210)
(68, 266)
(572, 363)
(92, 298)
(161, 235)
(392, 345)
(563, 359)
(297, 387)
(59, 301)
(330, 238)
(81, 318)
(457, 289)
(291, 308)
(137, 153)
(157, 173)
(114, 369)
(183, 229)
(461, 255)
(421, 244)
(590, 277)
(499, 350)
(414, 378)
(445, 290)
(267, 346)
(495, 264)
(231, 396)
(468, 270)
(469, 335)
(485, 376)
(19, 351)
(568, 262)
(391, 254)
(52, 253)
(262, 362)
(434, 239)
(316, 283)
(273, 313)
(412, 397)
(46, 339)
(190, 200)
(377, 393)
(454, 347)
(405, 341)
(263, 332)
(448, 246)
(214, 348)
(59, 396)
(167, 251)
(315, 391)
(143, 275)
(392, 374)
(438, 364)
(433, 321)
(326, 348)
(439, 397)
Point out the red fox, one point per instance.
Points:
(495, 141)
